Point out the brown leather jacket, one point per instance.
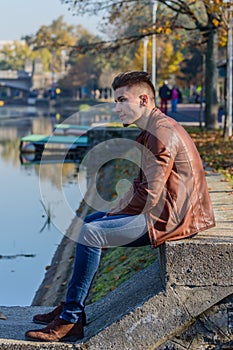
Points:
(171, 188)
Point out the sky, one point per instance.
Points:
(24, 17)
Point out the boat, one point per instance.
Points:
(37, 143)
(52, 158)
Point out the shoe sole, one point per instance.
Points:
(40, 322)
(68, 339)
(46, 323)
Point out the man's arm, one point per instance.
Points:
(158, 160)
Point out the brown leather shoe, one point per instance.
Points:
(49, 317)
(57, 330)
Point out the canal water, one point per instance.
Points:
(31, 194)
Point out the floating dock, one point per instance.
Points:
(37, 143)
(70, 129)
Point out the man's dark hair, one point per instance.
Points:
(133, 78)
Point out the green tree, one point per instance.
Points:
(84, 69)
(191, 68)
(54, 39)
(168, 58)
(47, 44)
(15, 55)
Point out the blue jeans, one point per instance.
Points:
(99, 231)
(174, 104)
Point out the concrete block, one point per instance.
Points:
(199, 299)
(205, 260)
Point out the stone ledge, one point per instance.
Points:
(205, 260)
(25, 345)
(157, 320)
(134, 316)
(100, 315)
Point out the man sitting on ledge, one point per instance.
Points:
(168, 200)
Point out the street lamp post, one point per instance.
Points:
(229, 74)
(154, 4)
(145, 43)
(53, 78)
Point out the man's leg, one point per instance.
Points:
(162, 105)
(174, 105)
(165, 105)
(85, 267)
(111, 231)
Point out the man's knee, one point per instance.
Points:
(89, 236)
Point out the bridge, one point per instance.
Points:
(14, 79)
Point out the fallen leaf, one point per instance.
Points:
(117, 277)
(110, 268)
(137, 268)
(123, 258)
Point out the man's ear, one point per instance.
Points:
(144, 99)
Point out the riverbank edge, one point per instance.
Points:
(52, 289)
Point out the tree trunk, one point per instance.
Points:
(211, 81)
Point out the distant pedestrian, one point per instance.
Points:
(175, 98)
(198, 94)
(164, 94)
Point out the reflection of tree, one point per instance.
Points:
(55, 173)
(42, 125)
(9, 151)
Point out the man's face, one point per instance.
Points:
(128, 104)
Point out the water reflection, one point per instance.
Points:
(39, 158)
(22, 214)
(16, 256)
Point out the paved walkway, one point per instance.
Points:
(190, 114)
(187, 113)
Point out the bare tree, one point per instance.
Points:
(204, 17)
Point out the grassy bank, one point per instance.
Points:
(214, 150)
